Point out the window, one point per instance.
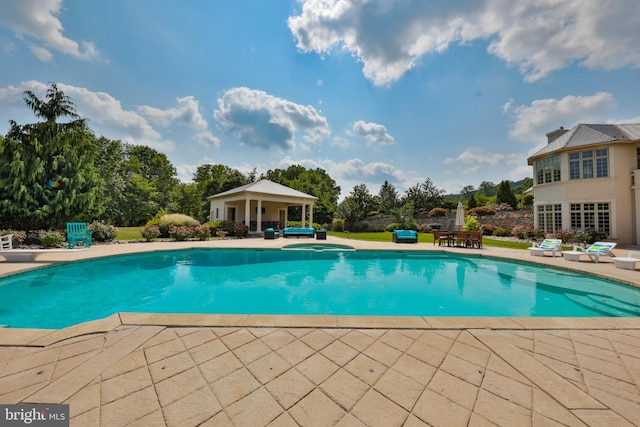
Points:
(550, 217)
(589, 164)
(591, 215)
(548, 170)
(217, 213)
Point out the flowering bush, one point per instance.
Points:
(590, 236)
(524, 232)
(18, 236)
(240, 230)
(102, 232)
(180, 233)
(150, 232)
(202, 233)
(165, 221)
(567, 236)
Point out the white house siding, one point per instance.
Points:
(615, 189)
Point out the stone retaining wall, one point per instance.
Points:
(502, 219)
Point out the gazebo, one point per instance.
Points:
(259, 205)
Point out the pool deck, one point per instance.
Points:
(134, 369)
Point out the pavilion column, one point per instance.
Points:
(247, 212)
(304, 213)
(310, 215)
(259, 217)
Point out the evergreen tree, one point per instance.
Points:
(504, 194)
(472, 203)
(388, 198)
(47, 171)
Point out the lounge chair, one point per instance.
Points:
(6, 242)
(270, 233)
(594, 252)
(627, 262)
(553, 245)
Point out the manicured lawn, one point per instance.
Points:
(133, 233)
(128, 233)
(424, 238)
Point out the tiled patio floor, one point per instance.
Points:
(174, 370)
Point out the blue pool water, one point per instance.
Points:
(304, 282)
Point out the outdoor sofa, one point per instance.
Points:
(405, 236)
(298, 231)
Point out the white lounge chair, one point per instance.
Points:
(553, 245)
(6, 242)
(594, 252)
(627, 262)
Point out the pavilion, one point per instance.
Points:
(259, 205)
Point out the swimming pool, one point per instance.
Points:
(271, 281)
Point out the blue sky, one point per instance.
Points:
(459, 92)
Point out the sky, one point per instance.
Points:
(459, 92)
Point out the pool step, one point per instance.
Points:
(605, 304)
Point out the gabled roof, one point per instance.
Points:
(265, 186)
(584, 134)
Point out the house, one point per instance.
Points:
(260, 205)
(589, 177)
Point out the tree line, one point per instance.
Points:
(57, 170)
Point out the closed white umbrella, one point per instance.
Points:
(460, 216)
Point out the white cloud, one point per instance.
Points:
(473, 160)
(374, 133)
(207, 139)
(264, 121)
(532, 122)
(187, 112)
(538, 38)
(37, 21)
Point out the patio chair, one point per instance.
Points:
(627, 262)
(476, 239)
(553, 245)
(440, 237)
(6, 242)
(594, 252)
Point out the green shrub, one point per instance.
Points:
(471, 224)
(150, 232)
(360, 226)
(51, 239)
(425, 228)
(393, 226)
(501, 232)
(102, 232)
(338, 225)
(177, 220)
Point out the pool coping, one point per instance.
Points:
(44, 337)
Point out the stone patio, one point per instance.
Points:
(253, 370)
